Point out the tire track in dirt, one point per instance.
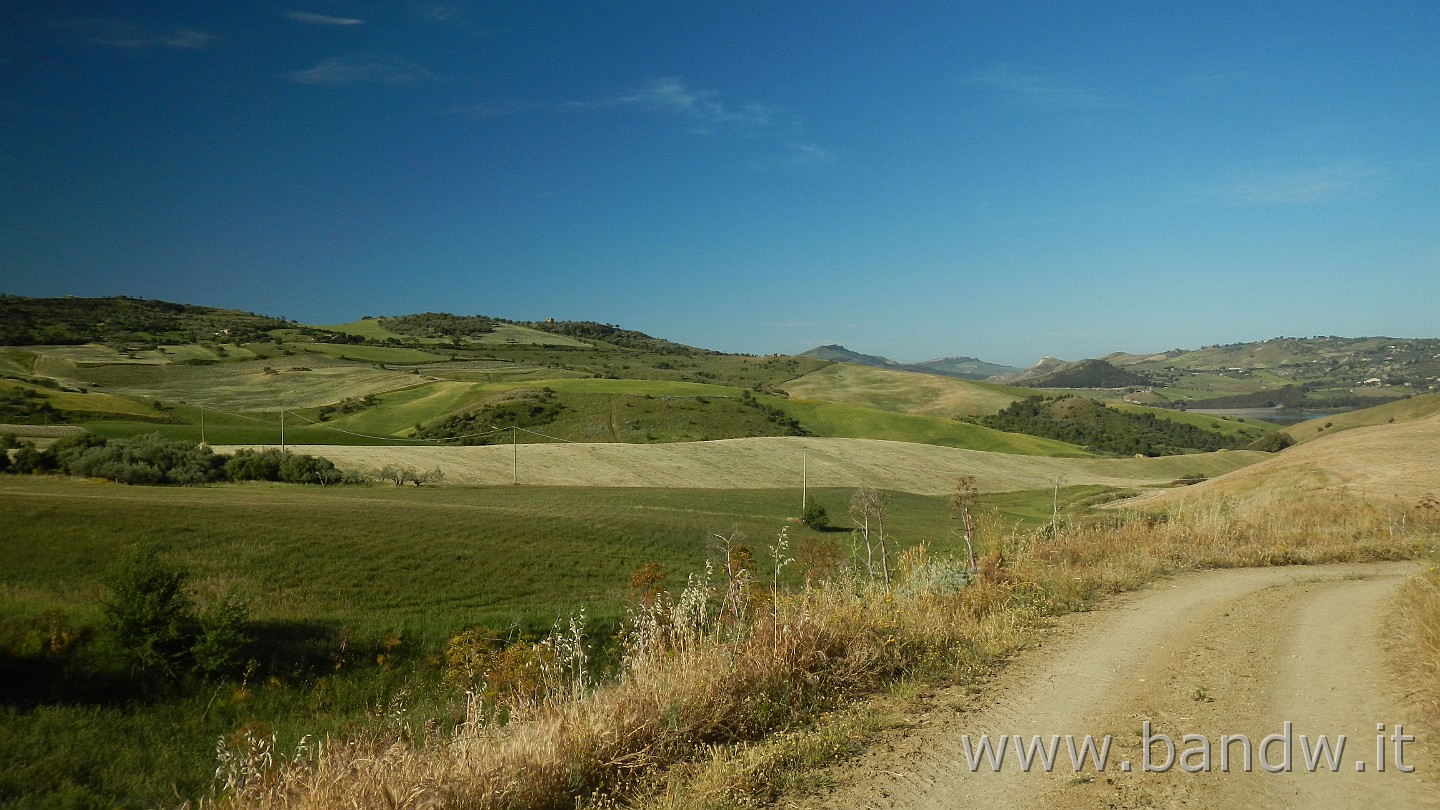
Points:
(1237, 652)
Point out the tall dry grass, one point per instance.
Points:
(719, 701)
(1419, 613)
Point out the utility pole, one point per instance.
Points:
(202, 424)
(282, 430)
(514, 454)
(804, 482)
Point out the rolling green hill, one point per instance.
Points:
(390, 379)
(69, 320)
(1100, 428)
(902, 391)
(1089, 374)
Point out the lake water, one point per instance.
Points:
(1275, 415)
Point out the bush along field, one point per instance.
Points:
(535, 647)
(153, 459)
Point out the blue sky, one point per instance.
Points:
(1005, 180)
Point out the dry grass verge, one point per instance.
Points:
(730, 693)
(1420, 634)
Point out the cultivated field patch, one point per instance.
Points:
(771, 462)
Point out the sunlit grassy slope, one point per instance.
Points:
(1228, 425)
(903, 391)
(1386, 461)
(1404, 410)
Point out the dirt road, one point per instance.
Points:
(1220, 653)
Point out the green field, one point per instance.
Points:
(1227, 425)
(855, 422)
(354, 592)
(380, 558)
(376, 354)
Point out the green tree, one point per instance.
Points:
(151, 622)
(1272, 442)
(222, 638)
(815, 516)
(149, 617)
(306, 469)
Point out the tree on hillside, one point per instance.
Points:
(815, 516)
(1272, 442)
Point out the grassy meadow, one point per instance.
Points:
(354, 592)
(713, 713)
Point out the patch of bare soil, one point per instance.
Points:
(1215, 655)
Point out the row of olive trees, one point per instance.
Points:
(400, 475)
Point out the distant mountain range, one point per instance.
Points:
(1317, 364)
(967, 368)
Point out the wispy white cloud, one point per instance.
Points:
(800, 156)
(707, 111)
(361, 69)
(311, 18)
(1033, 88)
(1319, 185)
(435, 12)
(119, 34)
(704, 107)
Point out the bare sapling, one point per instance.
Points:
(778, 560)
(869, 505)
(961, 499)
(739, 576)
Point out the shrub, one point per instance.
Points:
(149, 617)
(815, 516)
(151, 622)
(305, 469)
(27, 459)
(1272, 442)
(254, 465)
(148, 459)
(223, 637)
